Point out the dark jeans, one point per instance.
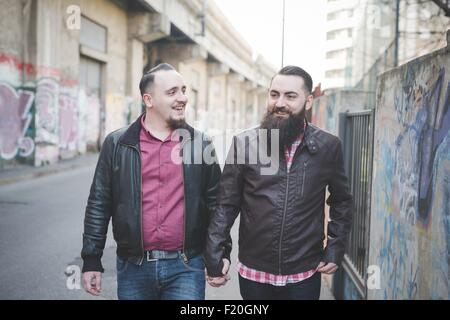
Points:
(170, 279)
(308, 289)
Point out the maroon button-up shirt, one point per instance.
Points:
(162, 192)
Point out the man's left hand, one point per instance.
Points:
(219, 281)
(327, 268)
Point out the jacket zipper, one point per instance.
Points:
(283, 220)
(140, 200)
(183, 254)
(304, 176)
(285, 204)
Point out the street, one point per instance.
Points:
(41, 236)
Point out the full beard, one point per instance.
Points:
(289, 128)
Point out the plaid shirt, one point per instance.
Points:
(275, 280)
(264, 277)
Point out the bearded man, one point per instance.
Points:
(281, 230)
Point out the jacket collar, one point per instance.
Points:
(310, 140)
(132, 135)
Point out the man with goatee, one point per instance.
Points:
(158, 198)
(281, 236)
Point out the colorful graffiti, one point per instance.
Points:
(88, 120)
(324, 112)
(47, 94)
(410, 233)
(15, 119)
(426, 130)
(68, 120)
(433, 133)
(28, 68)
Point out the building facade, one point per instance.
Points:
(340, 27)
(361, 38)
(70, 71)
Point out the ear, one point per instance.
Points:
(148, 100)
(309, 102)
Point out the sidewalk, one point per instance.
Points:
(26, 172)
(325, 291)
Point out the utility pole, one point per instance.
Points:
(282, 35)
(397, 32)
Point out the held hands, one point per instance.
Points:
(219, 281)
(327, 268)
(92, 281)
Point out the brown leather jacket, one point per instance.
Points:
(281, 227)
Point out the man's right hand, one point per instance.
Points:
(92, 281)
(220, 281)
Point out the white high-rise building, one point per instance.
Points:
(422, 29)
(340, 27)
(361, 38)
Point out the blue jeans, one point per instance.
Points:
(308, 289)
(171, 279)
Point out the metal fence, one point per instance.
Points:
(357, 132)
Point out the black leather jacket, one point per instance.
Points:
(281, 227)
(116, 193)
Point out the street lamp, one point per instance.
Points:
(282, 34)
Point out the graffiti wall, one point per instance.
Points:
(323, 114)
(326, 108)
(410, 229)
(16, 135)
(68, 121)
(47, 121)
(38, 123)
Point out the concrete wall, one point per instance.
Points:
(410, 214)
(45, 115)
(326, 108)
(17, 92)
(48, 115)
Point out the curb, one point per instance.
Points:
(43, 172)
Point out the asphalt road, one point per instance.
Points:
(41, 237)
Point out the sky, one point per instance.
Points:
(260, 23)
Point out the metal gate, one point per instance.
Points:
(357, 132)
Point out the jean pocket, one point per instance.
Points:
(195, 264)
(121, 265)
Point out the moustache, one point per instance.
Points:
(280, 110)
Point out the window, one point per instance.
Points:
(331, 35)
(337, 73)
(93, 35)
(331, 16)
(336, 54)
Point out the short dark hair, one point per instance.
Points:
(149, 77)
(299, 72)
